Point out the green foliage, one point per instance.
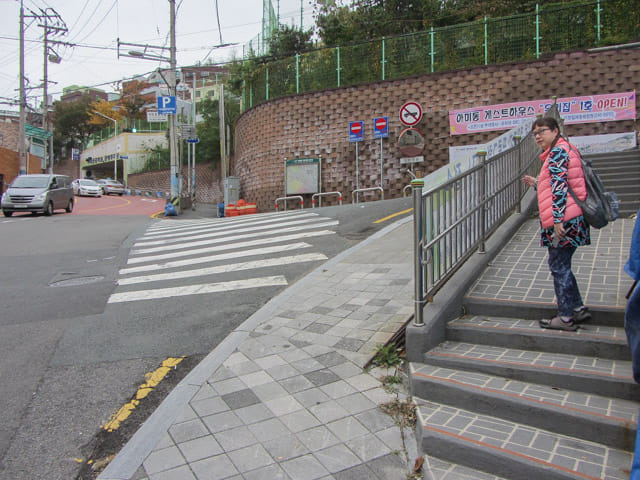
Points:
(387, 356)
(208, 149)
(71, 125)
(287, 41)
(386, 39)
(158, 158)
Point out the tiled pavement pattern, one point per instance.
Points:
(531, 326)
(593, 461)
(611, 408)
(520, 272)
(539, 360)
(291, 400)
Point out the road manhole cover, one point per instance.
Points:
(73, 282)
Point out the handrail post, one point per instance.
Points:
(518, 141)
(482, 191)
(418, 302)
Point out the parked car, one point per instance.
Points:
(38, 193)
(111, 186)
(84, 186)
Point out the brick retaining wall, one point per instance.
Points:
(316, 124)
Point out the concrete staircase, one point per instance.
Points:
(620, 172)
(505, 397)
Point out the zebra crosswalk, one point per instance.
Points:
(195, 257)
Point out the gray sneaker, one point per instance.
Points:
(581, 315)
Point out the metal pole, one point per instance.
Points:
(173, 154)
(23, 116)
(517, 139)
(45, 106)
(483, 200)
(418, 314)
(193, 148)
(381, 167)
(223, 143)
(357, 173)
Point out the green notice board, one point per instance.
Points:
(302, 175)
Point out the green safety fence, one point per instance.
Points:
(552, 28)
(126, 125)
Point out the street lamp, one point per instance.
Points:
(115, 123)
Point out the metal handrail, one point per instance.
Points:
(295, 197)
(354, 195)
(453, 220)
(324, 194)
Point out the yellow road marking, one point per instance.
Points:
(394, 215)
(157, 213)
(153, 379)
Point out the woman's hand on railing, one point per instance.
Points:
(529, 180)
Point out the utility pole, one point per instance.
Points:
(23, 114)
(155, 53)
(49, 55)
(176, 174)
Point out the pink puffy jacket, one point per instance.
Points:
(576, 180)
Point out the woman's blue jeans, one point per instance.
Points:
(564, 283)
(632, 329)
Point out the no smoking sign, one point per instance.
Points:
(411, 114)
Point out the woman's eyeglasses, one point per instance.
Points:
(537, 133)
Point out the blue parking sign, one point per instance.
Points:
(167, 105)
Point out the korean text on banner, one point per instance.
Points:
(586, 109)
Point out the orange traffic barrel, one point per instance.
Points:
(230, 210)
(252, 207)
(241, 207)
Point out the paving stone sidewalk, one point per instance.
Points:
(285, 396)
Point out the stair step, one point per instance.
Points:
(513, 450)
(585, 374)
(475, 303)
(437, 469)
(612, 421)
(589, 340)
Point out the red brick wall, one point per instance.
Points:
(317, 123)
(10, 165)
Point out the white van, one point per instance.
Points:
(38, 193)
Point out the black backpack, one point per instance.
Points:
(600, 207)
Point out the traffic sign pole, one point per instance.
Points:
(381, 130)
(381, 167)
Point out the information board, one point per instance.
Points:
(302, 175)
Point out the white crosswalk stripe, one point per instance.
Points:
(172, 255)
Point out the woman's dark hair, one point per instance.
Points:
(548, 122)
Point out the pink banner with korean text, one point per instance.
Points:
(608, 107)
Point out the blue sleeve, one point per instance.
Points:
(559, 170)
(632, 266)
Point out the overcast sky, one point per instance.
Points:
(94, 26)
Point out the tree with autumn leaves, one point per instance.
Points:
(129, 107)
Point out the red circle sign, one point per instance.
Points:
(381, 123)
(410, 113)
(356, 127)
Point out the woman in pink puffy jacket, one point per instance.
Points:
(563, 227)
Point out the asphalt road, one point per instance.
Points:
(71, 357)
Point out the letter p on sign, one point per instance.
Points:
(167, 105)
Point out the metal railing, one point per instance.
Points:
(324, 194)
(356, 193)
(453, 220)
(550, 28)
(285, 199)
